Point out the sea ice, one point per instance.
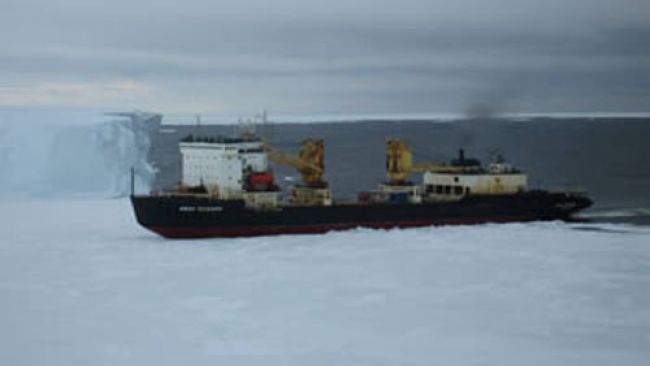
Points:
(82, 284)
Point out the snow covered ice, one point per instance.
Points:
(82, 284)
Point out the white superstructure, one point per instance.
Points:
(221, 164)
(500, 178)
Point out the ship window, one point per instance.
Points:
(458, 190)
(456, 179)
(429, 188)
(447, 189)
(438, 189)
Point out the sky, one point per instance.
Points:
(327, 57)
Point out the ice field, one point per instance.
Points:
(82, 284)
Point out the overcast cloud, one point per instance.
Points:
(303, 57)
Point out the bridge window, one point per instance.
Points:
(458, 190)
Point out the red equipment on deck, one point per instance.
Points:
(264, 181)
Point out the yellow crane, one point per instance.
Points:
(399, 163)
(309, 162)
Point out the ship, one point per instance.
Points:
(228, 189)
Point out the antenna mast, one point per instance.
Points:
(197, 126)
(265, 132)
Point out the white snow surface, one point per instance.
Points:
(82, 284)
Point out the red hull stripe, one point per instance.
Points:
(215, 231)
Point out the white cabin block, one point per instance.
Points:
(461, 184)
(222, 164)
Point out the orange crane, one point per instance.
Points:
(399, 163)
(309, 162)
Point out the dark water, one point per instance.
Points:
(607, 157)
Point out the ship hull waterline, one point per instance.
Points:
(181, 217)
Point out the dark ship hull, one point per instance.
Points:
(197, 216)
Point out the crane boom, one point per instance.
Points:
(399, 163)
(278, 156)
(309, 162)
